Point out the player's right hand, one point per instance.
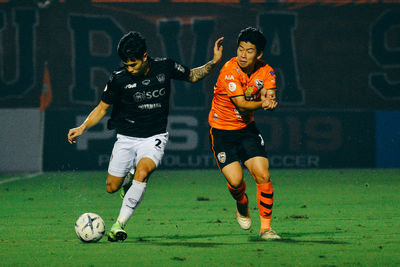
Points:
(269, 104)
(218, 47)
(74, 133)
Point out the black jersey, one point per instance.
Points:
(141, 104)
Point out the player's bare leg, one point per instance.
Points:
(144, 169)
(237, 187)
(113, 183)
(132, 198)
(258, 168)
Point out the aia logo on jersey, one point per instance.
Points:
(229, 77)
(221, 157)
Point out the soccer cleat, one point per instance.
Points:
(244, 221)
(243, 215)
(117, 233)
(269, 234)
(125, 188)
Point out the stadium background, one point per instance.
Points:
(338, 66)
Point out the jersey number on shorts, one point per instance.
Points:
(158, 143)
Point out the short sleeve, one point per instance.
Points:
(110, 91)
(270, 79)
(178, 71)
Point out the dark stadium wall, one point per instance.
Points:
(338, 68)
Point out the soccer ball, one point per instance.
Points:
(89, 227)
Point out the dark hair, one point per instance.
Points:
(254, 36)
(131, 46)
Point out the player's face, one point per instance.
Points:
(136, 67)
(247, 55)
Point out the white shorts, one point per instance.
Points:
(128, 151)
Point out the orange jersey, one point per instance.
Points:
(232, 82)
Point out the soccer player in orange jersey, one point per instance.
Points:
(245, 84)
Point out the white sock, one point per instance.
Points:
(132, 199)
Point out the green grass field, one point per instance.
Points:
(325, 217)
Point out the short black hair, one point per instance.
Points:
(254, 36)
(132, 46)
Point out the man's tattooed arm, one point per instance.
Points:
(199, 73)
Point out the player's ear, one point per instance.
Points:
(260, 55)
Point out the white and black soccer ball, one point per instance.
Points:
(90, 227)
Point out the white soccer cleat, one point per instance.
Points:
(269, 234)
(243, 221)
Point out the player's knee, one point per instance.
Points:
(141, 174)
(112, 188)
(263, 178)
(236, 183)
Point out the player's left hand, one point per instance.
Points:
(218, 47)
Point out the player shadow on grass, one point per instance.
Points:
(287, 238)
(160, 240)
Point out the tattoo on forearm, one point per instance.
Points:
(201, 72)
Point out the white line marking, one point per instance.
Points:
(12, 179)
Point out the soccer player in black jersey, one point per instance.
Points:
(139, 95)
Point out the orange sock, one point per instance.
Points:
(239, 193)
(265, 199)
(241, 198)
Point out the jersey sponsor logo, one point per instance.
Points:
(150, 106)
(146, 82)
(232, 86)
(161, 78)
(141, 96)
(249, 91)
(221, 157)
(259, 84)
(131, 85)
(229, 77)
(215, 116)
(179, 67)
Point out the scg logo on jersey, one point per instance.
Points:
(141, 96)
